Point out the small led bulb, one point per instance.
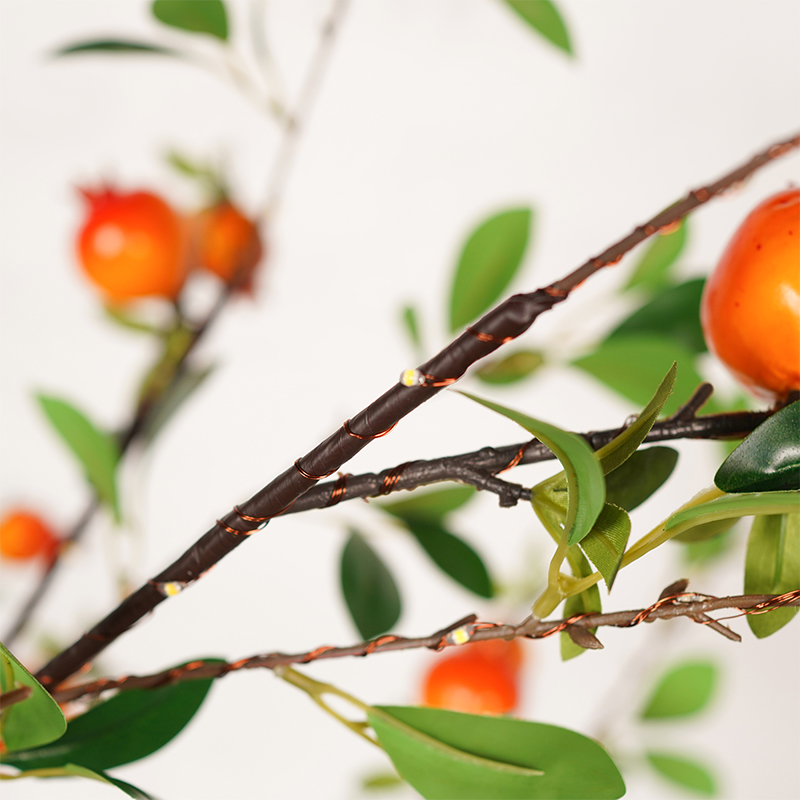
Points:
(171, 588)
(412, 377)
(460, 635)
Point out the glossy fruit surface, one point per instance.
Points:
(133, 245)
(227, 243)
(24, 535)
(481, 678)
(751, 305)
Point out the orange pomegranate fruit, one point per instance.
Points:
(24, 535)
(750, 309)
(132, 245)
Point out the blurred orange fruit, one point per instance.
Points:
(751, 304)
(133, 245)
(24, 535)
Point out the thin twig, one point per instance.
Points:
(499, 326)
(690, 605)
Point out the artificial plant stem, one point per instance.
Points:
(499, 326)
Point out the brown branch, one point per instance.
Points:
(690, 605)
(8, 699)
(500, 325)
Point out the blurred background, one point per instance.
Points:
(430, 116)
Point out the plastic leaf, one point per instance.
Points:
(446, 754)
(512, 368)
(115, 46)
(208, 16)
(605, 543)
(131, 725)
(652, 272)
(685, 690)
(544, 17)
(97, 451)
(684, 772)
(674, 312)
(411, 325)
(431, 505)
(631, 365)
(768, 459)
(733, 506)
(453, 556)
(772, 566)
(586, 485)
(369, 589)
(640, 476)
(490, 259)
(34, 721)
(587, 602)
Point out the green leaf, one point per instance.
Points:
(768, 459)
(708, 551)
(674, 312)
(186, 384)
(684, 772)
(510, 369)
(115, 46)
(131, 725)
(640, 476)
(587, 602)
(410, 320)
(453, 556)
(121, 317)
(586, 485)
(544, 17)
(35, 721)
(706, 531)
(207, 16)
(652, 271)
(772, 566)
(733, 506)
(631, 365)
(369, 589)
(381, 782)
(73, 770)
(605, 543)
(684, 690)
(446, 754)
(97, 451)
(622, 447)
(490, 259)
(431, 506)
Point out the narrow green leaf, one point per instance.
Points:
(706, 531)
(115, 46)
(586, 485)
(76, 771)
(453, 556)
(684, 690)
(129, 789)
(686, 773)
(381, 782)
(605, 543)
(512, 368)
(446, 754)
(129, 726)
(203, 16)
(587, 602)
(432, 505)
(369, 589)
(121, 317)
(544, 17)
(631, 365)
(708, 551)
(652, 271)
(768, 459)
(674, 313)
(733, 506)
(772, 566)
(490, 259)
(97, 451)
(410, 320)
(640, 476)
(622, 447)
(33, 722)
(187, 383)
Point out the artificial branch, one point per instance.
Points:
(670, 605)
(499, 326)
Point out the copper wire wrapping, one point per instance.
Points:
(338, 491)
(391, 479)
(516, 459)
(490, 337)
(368, 437)
(308, 475)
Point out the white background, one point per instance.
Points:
(431, 116)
